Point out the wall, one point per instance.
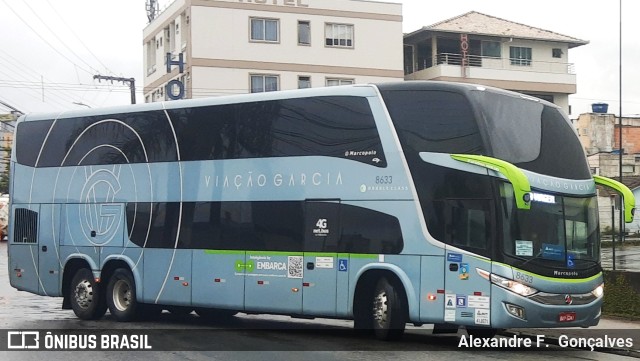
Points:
(220, 55)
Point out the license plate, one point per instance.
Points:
(566, 316)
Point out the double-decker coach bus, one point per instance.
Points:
(415, 202)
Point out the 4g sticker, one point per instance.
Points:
(322, 228)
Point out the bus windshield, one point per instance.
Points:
(558, 231)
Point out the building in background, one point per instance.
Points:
(478, 48)
(7, 127)
(600, 137)
(221, 47)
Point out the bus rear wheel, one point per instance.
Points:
(86, 297)
(121, 295)
(389, 313)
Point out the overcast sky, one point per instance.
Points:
(51, 49)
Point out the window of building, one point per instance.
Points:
(264, 30)
(337, 81)
(556, 53)
(491, 49)
(520, 56)
(339, 35)
(304, 82)
(151, 57)
(261, 83)
(304, 33)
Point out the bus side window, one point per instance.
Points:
(368, 231)
(468, 223)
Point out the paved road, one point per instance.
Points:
(627, 258)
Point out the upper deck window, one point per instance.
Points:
(331, 126)
(434, 121)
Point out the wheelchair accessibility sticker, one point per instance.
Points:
(343, 265)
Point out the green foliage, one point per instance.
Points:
(620, 297)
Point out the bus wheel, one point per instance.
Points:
(389, 315)
(87, 301)
(121, 295)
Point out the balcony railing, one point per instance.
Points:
(494, 63)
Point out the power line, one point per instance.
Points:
(57, 37)
(78, 38)
(39, 85)
(43, 39)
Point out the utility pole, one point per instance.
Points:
(13, 110)
(127, 81)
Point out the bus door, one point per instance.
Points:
(23, 249)
(321, 264)
(470, 226)
(49, 254)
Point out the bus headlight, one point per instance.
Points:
(599, 291)
(513, 286)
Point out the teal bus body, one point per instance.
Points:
(327, 202)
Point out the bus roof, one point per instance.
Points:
(353, 90)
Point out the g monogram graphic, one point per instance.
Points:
(100, 218)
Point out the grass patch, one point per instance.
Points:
(627, 242)
(621, 298)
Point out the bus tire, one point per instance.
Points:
(121, 295)
(85, 296)
(389, 313)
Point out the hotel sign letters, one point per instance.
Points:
(175, 88)
(464, 52)
(299, 3)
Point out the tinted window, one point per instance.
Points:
(512, 124)
(110, 139)
(561, 154)
(457, 206)
(323, 126)
(262, 226)
(274, 226)
(29, 136)
(368, 231)
(434, 121)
